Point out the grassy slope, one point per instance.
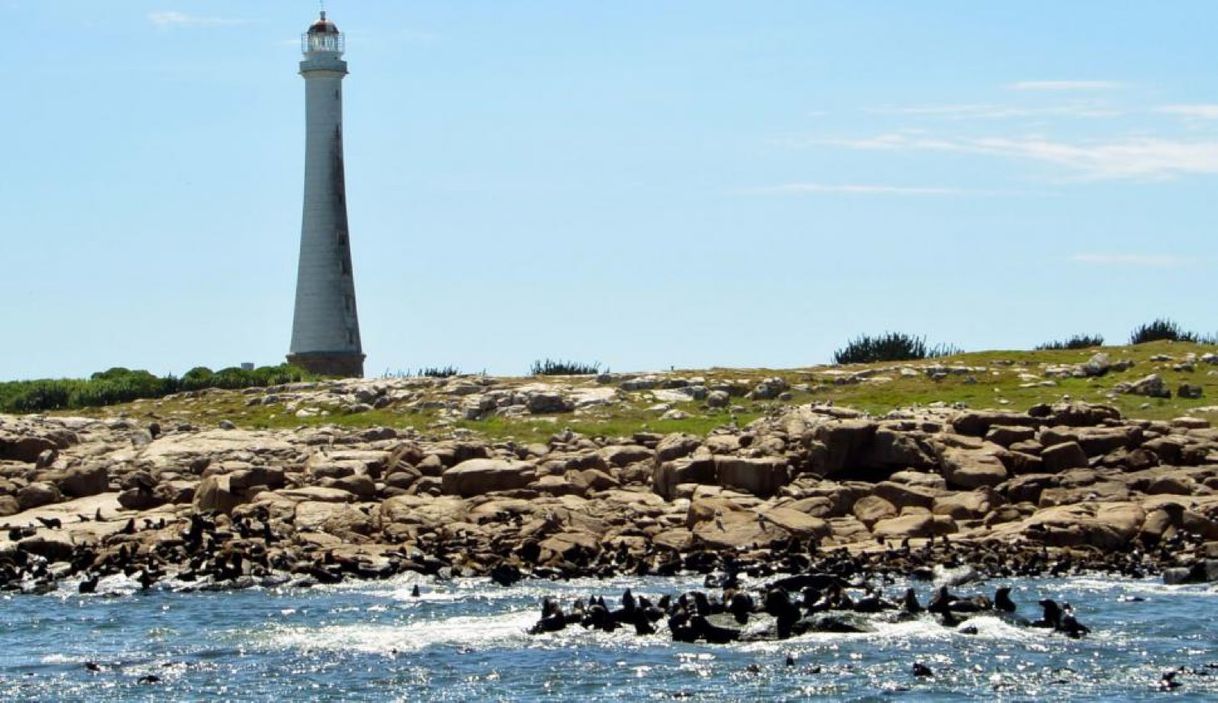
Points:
(996, 387)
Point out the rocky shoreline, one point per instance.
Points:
(1056, 490)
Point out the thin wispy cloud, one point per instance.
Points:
(1064, 86)
(1144, 158)
(998, 112)
(866, 189)
(1133, 260)
(1202, 112)
(172, 18)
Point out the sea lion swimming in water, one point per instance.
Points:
(1052, 614)
(1070, 625)
(89, 584)
(1002, 600)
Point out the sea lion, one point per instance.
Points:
(1070, 625)
(89, 584)
(1002, 600)
(1052, 615)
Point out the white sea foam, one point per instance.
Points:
(472, 631)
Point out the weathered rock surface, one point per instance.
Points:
(323, 500)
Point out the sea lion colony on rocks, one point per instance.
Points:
(1057, 490)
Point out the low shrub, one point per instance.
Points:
(1078, 341)
(550, 367)
(1161, 329)
(122, 385)
(890, 346)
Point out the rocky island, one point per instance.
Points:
(149, 491)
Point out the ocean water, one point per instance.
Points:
(466, 641)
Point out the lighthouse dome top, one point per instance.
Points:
(323, 26)
(322, 38)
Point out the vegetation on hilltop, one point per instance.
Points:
(1008, 380)
(890, 346)
(550, 367)
(122, 385)
(1078, 341)
(1164, 329)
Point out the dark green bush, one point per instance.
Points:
(439, 371)
(1078, 341)
(197, 378)
(550, 367)
(890, 346)
(122, 385)
(1161, 329)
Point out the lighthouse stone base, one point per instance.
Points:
(341, 364)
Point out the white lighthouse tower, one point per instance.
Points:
(325, 328)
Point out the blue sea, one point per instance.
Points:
(466, 640)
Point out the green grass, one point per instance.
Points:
(812, 384)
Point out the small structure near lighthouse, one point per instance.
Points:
(325, 327)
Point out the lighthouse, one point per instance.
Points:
(325, 327)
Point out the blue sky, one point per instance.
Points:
(636, 183)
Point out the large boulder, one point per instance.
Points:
(844, 442)
(722, 525)
(670, 474)
(88, 480)
(967, 468)
(1060, 457)
(799, 524)
(1107, 526)
(339, 519)
(1152, 386)
(243, 479)
(871, 509)
(675, 446)
(891, 449)
(902, 495)
(569, 545)
(424, 510)
(9, 506)
(761, 477)
(140, 498)
(1006, 435)
(548, 402)
(38, 494)
(52, 548)
(969, 505)
(478, 476)
(25, 449)
(359, 485)
(625, 454)
(913, 525)
(976, 423)
(214, 494)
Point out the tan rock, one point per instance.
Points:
(871, 509)
(735, 530)
(902, 495)
(973, 468)
(339, 519)
(214, 494)
(798, 523)
(478, 476)
(761, 477)
(897, 528)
